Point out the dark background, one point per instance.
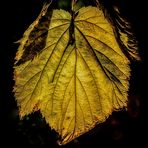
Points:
(122, 129)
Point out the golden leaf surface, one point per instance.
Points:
(79, 78)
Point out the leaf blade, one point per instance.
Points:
(78, 84)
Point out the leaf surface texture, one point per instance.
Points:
(78, 78)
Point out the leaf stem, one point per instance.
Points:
(73, 2)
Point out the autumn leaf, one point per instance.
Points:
(72, 70)
(125, 36)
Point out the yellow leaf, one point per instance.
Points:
(80, 76)
(125, 36)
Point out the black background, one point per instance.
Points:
(124, 128)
